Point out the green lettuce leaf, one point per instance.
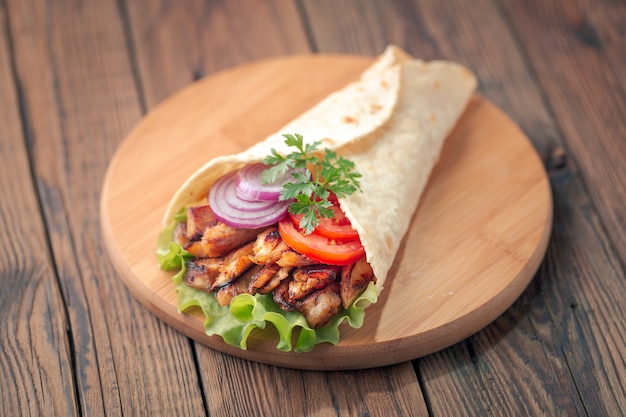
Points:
(247, 312)
(170, 254)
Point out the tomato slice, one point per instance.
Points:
(337, 227)
(320, 248)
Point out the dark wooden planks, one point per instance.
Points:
(34, 346)
(79, 101)
(175, 45)
(582, 77)
(577, 51)
(236, 387)
(546, 349)
(549, 337)
(558, 350)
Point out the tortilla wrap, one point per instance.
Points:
(391, 123)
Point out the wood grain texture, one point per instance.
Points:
(479, 233)
(590, 40)
(466, 32)
(175, 44)
(537, 328)
(80, 100)
(591, 230)
(34, 346)
(280, 391)
(85, 71)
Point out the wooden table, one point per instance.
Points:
(75, 77)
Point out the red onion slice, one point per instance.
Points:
(251, 186)
(239, 213)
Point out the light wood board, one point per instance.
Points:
(475, 241)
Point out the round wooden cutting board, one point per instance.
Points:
(475, 242)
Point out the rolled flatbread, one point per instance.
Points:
(391, 123)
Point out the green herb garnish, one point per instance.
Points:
(315, 178)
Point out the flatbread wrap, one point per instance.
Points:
(390, 124)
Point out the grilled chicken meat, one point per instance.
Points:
(234, 264)
(209, 274)
(225, 294)
(268, 278)
(280, 276)
(293, 258)
(265, 275)
(307, 279)
(229, 262)
(180, 234)
(281, 295)
(319, 307)
(198, 220)
(204, 236)
(220, 240)
(268, 247)
(354, 280)
(200, 273)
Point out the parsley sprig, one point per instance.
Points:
(316, 176)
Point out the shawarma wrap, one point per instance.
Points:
(391, 123)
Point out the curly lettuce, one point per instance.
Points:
(247, 312)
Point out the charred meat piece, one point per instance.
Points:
(293, 258)
(199, 219)
(198, 249)
(281, 275)
(307, 279)
(265, 274)
(321, 305)
(180, 234)
(268, 278)
(219, 240)
(231, 261)
(201, 273)
(268, 247)
(233, 265)
(281, 295)
(354, 280)
(225, 294)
